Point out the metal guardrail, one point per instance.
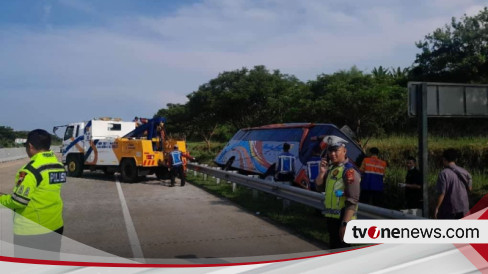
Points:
(295, 194)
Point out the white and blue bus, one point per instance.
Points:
(255, 150)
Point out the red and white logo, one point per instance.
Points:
(373, 232)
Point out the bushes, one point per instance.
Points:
(472, 155)
(202, 154)
(472, 151)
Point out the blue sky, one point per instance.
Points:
(71, 60)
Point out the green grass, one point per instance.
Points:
(473, 156)
(433, 141)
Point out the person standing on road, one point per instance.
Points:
(285, 166)
(373, 169)
(36, 200)
(342, 190)
(413, 186)
(453, 185)
(176, 164)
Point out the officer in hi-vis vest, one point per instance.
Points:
(342, 190)
(36, 200)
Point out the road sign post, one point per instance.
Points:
(421, 97)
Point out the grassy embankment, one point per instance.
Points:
(306, 222)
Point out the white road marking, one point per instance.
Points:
(129, 225)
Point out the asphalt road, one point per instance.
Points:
(153, 221)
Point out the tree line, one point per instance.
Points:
(371, 103)
(8, 136)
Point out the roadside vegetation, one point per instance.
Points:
(473, 153)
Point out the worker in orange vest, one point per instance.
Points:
(373, 171)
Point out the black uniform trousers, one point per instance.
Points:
(333, 226)
(177, 171)
(285, 177)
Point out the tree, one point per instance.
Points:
(7, 136)
(361, 101)
(203, 112)
(380, 72)
(455, 53)
(238, 99)
(176, 119)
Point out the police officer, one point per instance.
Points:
(285, 166)
(36, 200)
(176, 163)
(341, 190)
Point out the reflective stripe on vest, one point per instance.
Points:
(313, 168)
(374, 165)
(334, 204)
(176, 157)
(286, 163)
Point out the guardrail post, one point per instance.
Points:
(205, 174)
(286, 202)
(232, 171)
(255, 192)
(213, 176)
(217, 180)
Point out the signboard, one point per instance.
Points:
(451, 100)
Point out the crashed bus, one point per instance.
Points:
(255, 150)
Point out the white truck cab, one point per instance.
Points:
(81, 138)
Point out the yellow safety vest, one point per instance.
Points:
(36, 197)
(334, 182)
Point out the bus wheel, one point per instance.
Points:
(128, 171)
(75, 166)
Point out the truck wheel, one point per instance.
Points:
(75, 166)
(128, 171)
